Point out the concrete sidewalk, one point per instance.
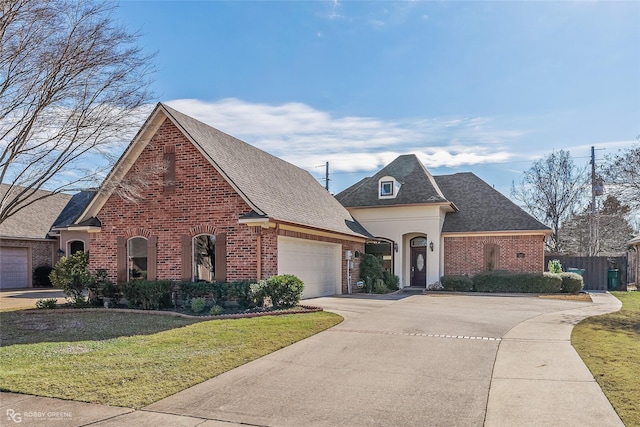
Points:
(539, 379)
(533, 374)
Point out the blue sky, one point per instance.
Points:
(486, 87)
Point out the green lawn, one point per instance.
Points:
(610, 347)
(132, 360)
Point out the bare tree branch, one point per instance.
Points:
(73, 86)
(622, 172)
(551, 190)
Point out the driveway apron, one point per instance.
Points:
(414, 360)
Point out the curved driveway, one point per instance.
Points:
(420, 360)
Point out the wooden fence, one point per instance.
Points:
(595, 268)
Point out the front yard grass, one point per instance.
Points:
(130, 359)
(610, 347)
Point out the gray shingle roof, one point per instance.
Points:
(418, 186)
(34, 221)
(272, 186)
(73, 209)
(481, 207)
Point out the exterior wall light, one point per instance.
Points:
(431, 246)
(395, 247)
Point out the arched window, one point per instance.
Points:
(76, 246)
(137, 258)
(204, 258)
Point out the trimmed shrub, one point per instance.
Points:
(285, 290)
(148, 294)
(71, 275)
(216, 310)
(455, 282)
(187, 291)
(41, 277)
(198, 305)
(505, 281)
(239, 291)
(572, 283)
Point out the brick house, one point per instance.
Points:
(427, 226)
(218, 209)
(25, 239)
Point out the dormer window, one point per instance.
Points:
(388, 187)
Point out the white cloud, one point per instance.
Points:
(308, 137)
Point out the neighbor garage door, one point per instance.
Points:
(14, 268)
(316, 263)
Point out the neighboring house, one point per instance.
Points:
(635, 244)
(25, 243)
(427, 226)
(73, 237)
(218, 209)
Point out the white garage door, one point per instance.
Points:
(14, 268)
(317, 264)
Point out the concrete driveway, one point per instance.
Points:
(26, 298)
(421, 360)
(418, 360)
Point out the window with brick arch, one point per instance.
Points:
(491, 257)
(137, 257)
(204, 258)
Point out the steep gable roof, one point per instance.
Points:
(34, 221)
(417, 186)
(73, 209)
(482, 208)
(272, 187)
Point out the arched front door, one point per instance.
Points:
(419, 262)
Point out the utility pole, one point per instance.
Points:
(593, 244)
(326, 176)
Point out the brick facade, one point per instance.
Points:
(201, 202)
(466, 255)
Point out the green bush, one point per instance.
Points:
(48, 303)
(71, 275)
(505, 281)
(186, 291)
(198, 305)
(285, 290)
(239, 291)
(572, 283)
(371, 269)
(391, 280)
(457, 283)
(41, 277)
(554, 266)
(148, 294)
(216, 310)
(379, 287)
(100, 287)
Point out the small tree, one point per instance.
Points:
(71, 274)
(551, 190)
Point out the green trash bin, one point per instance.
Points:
(579, 271)
(613, 279)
